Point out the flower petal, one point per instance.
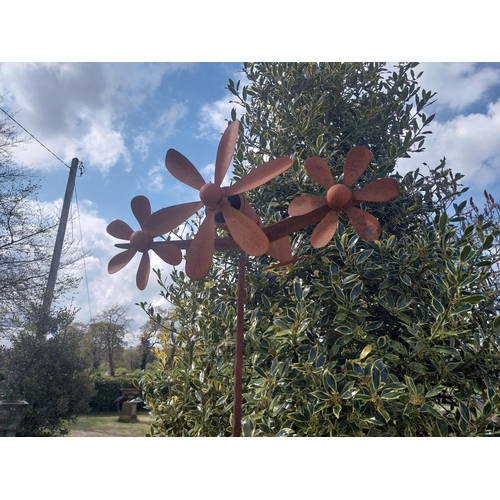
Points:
(365, 224)
(142, 276)
(167, 252)
(141, 208)
(325, 230)
(119, 229)
(305, 204)
(120, 260)
(318, 169)
(201, 250)
(379, 190)
(356, 162)
(225, 152)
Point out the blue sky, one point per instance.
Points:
(119, 119)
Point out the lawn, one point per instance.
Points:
(107, 425)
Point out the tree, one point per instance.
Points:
(157, 330)
(50, 372)
(107, 335)
(27, 235)
(398, 337)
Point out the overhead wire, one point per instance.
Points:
(31, 135)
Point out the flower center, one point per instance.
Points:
(141, 241)
(338, 196)
(211, 195)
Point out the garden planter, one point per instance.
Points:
(11, 414)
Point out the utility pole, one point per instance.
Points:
(56, 256)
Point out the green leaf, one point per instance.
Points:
(434, 392)
(471, 299)
(336, 411)
(443, 221)
(329, 381)
(465, 253)
(355, 292)
(247, 428)
(367, 350)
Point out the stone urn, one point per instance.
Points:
(129, 407)
(11, 414)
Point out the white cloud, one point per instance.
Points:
(458, 85)
(80, 108)
(213, 119)
(167, 121)
(470, 144)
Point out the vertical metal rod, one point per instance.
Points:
(238, 361)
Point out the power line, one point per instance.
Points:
(83, 253)
(39, 142)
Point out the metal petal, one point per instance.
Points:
(201, 250)
(325, 230)
(380, 190)
(168, 218)
(318, 169)
(141, 208)
(167, 252)
(259, 176)
(182, 169)
(247, 234)
(281, 250)
(225, 152)
(365, 224)
(356, 162)
(120, 260)
(305, 204)
(119, 229)
(142, 277)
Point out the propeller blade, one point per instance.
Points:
(318, 169)
(167, 252)
(141, 208)
(260, 175)
(142, 277)
(379, 190)
(120, 260)
(225, 152)
(119, 229)
(183, 170)
(247, 234)
(325, 230)
(356, 162)
(305, 204)
(281, 250)
(168, 218)
(201, 250)
(365, 224)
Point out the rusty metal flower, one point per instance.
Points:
(340, 198)
(140, 241)
(217, 200)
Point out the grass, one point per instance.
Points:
(107, 425)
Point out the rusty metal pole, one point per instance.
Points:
(238, 361)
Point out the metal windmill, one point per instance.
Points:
(226, 207)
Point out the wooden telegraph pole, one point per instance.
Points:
(56, 256)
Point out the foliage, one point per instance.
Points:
(399, 337)
(50, 373)
(107, 390)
